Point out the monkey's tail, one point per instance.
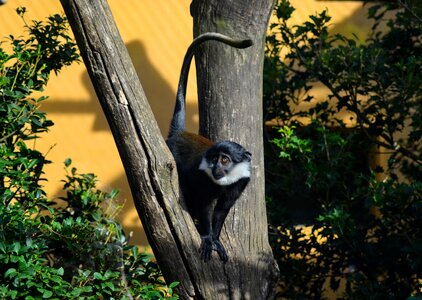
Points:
(179, 116)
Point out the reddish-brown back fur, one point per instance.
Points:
(202, 144)
(188, 147)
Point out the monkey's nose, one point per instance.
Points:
(218, 174)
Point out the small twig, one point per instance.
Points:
(406, 7)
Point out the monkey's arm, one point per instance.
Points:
(204, 216)
(221, 210)
(220, 213)
(224, 203)
(200, 202)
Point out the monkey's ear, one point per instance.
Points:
(247, 155)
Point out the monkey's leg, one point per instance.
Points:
(219, 216)
(222, 208)
(218, 246)
(205, 231)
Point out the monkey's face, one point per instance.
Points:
(220, 165)
(226, 163)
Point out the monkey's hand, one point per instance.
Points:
(218, 246)
(206, 247)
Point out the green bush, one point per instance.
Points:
(74, 250)
(334, 226)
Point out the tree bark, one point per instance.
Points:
(230, 107)
(152, 175)
(149, 166)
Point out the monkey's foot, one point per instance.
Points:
(206, 247)
(218, 246)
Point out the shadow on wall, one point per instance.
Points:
(161, 97)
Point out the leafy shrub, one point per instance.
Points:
(334, 225)
(75, 250)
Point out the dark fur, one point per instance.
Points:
(207, 202)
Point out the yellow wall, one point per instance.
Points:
(156, 33)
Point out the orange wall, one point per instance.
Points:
(156, 33)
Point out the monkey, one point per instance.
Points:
(212, 176)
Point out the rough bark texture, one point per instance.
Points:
(230, 107)
(152, 176)
(148, 164)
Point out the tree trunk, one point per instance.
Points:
(230, 107)
(149, 166)
(152, 175)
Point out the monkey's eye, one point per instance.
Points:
(214, 160)
(225, 160)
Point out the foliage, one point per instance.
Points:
(363, 233)
(290, 144)
(67, 251)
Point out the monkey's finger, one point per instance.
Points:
(223, 256)
(206, 255)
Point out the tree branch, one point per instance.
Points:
(149, 166)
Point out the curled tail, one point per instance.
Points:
(178, 122)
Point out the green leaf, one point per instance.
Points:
(13, 294)
(2, 247)
(67, 162)
(98, 276)
(114, 193)
(108, 285)
(47, 294)
(10, 273)
(174, 284)
(16, 247)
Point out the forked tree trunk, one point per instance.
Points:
(151, 171)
